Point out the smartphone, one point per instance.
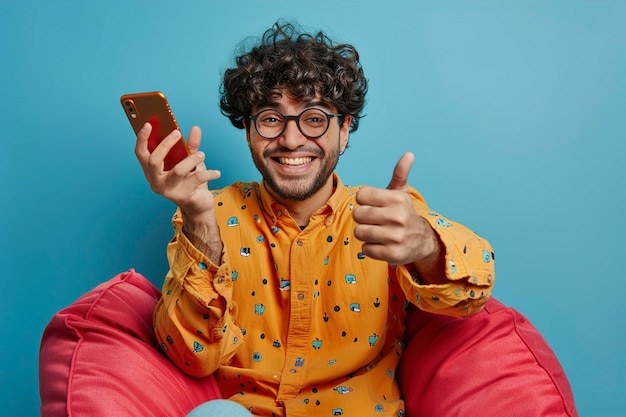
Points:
(152, 107)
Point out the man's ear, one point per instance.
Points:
(247, 129)
(344, 133)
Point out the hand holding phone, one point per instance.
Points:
(187, 187)
(153, 108)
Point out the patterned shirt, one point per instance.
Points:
(300, 322)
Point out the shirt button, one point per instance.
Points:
(299, 243)
(300, 296)
(293, 371)
(220, 280)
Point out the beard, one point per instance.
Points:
(297, 189)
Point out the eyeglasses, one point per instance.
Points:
(313, 123)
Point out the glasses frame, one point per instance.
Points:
(286, 120)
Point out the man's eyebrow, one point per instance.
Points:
(319, 103)
(324, 104)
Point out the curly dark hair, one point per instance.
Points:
(304, 64)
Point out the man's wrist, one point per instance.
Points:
(203, 233)
(432, 268)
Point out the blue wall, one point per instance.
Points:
(516, 111)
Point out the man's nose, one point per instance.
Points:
(292, 137)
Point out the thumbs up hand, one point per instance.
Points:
(390, 229)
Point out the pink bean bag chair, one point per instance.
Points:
(99, 357)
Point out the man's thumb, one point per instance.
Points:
(400, 178)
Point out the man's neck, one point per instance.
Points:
(302, 210)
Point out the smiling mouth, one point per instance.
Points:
(295, 161)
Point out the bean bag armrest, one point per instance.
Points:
(492, 364)
(99, 357)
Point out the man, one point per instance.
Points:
(293, 291)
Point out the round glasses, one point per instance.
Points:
(313, 123)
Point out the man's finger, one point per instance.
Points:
(160, 152)
(378, 197)
(400, 178)
(195, 137)
(141, 146)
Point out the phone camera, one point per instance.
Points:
(130, 109)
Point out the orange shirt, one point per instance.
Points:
(299, 322)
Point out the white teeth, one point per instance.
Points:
(295, 161)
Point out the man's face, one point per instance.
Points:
(294, 166)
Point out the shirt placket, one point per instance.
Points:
(300, 260)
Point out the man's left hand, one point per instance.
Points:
(389, 227)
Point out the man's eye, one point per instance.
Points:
(315, 120)
(271, 120)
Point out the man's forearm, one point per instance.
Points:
(204, 235)
(432, 267)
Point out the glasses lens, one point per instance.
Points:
(313, 123)
(269, 123)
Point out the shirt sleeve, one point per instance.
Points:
(194, 319)
(469, 268)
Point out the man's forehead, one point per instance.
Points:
(279, 97)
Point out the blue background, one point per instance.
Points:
(515, 110)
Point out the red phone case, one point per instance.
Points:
(152, 107)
